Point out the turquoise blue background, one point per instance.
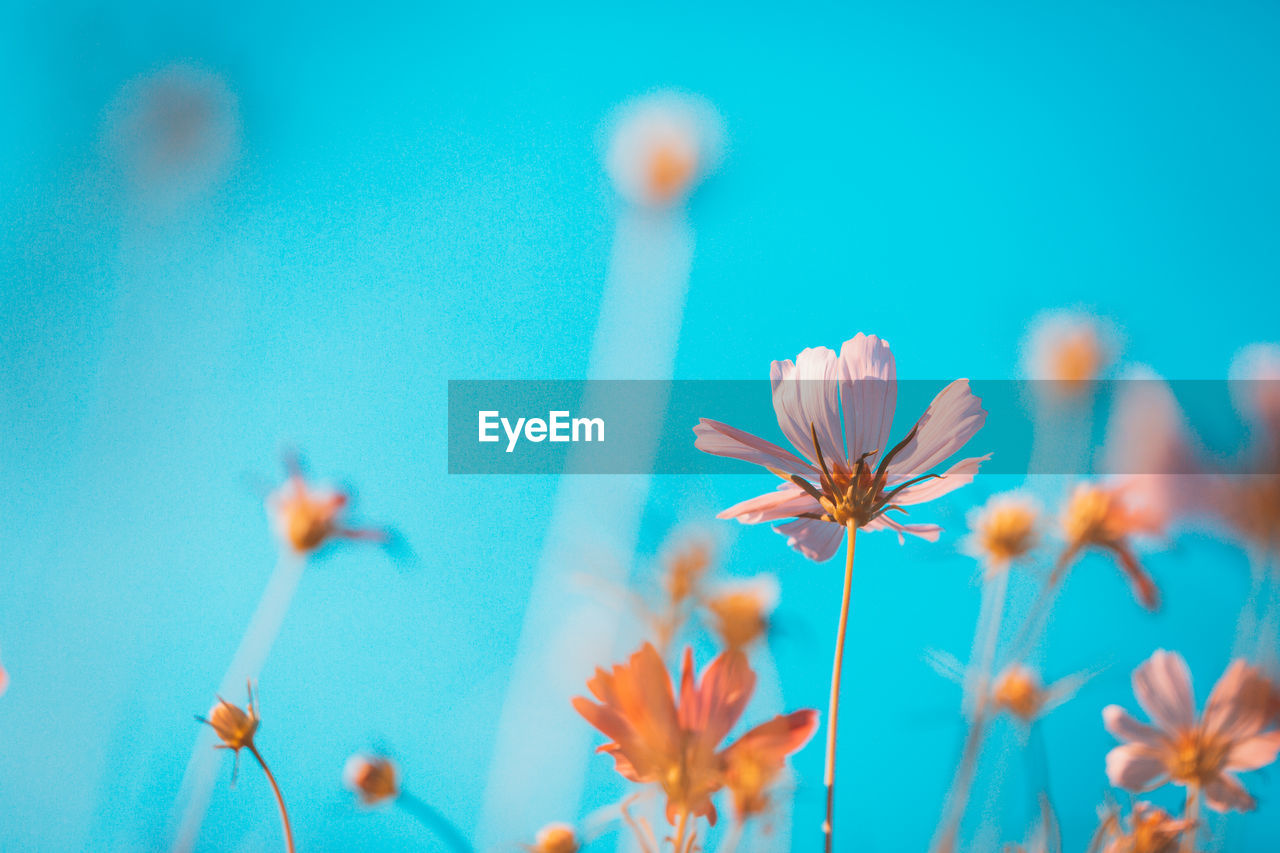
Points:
(419, 198)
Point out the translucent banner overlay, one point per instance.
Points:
(1131, 426)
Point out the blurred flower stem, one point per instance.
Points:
(433, 820)
(833, 713)
(284, 814)
(246, 664)
(976, 707)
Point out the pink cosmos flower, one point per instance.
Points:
(1235, 733)
(837, 412)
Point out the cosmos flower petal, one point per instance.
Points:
(804, 395)
(775, 740)
(1162, 684)
(723, 440)
(1255, 752)
(787, 502)
(716, 704)
(959, 474)
(817, 540)
(1237, 703)
(1123, 726)
(868, 393)
(1224, 793)
(927, 532)
(1135, 767)
(954, 417)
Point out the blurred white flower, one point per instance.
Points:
(661, 146)
(1254, 378)
(173, 133)
(1071, 349)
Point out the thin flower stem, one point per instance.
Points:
(1247, 621)
(646, 846)
(439, 825)
(1191, 813)
(682, 832)
(978, 711)
(990, 639)
(833, 713)
(284, 814)
(963, 784)
(1031, 629)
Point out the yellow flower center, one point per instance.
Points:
(1018, 691)
(1007, 532)
(1197, 758)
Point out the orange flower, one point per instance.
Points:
(686, 566)
(307, 518)
(740, 612)
(677, 745)
(1106, 517)
(1150, 830)
(373, 778)
(555, 838)
(1018, 691)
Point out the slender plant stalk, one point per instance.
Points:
(1247, 622)
(284, 814)
(250, 655)
(682, 833)
(833, 711)
(439, 825)
(1191, 813)
(985, 645)
(647, 844)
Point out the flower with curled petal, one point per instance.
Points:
(837, 412)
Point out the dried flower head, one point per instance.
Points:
(555, 838)
(837, 412)
(1147, 830)
(677, 745)
(661, 146)
(1106, 517)
(373, 778)
(1234, 734)
(1004, 529)
(305, 518)
(235, 726)
(740, 612)
(1069, 351)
